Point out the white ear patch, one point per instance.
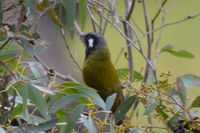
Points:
(91, 43)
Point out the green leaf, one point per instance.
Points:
(179, 53)
(9, 54)
(62, 116)
(183, 54)
(110, 101)
(196, 102)
(73, 118)
(186, 82)
(124, 108)
(36, 97)
(151, 108)
(83, 12)
(31, 119)
(123, 73)
(70, 11)
(190, 81)
(95, 96)
(172, 123)
(16, 111)
(24, 28)
(2, 130)
(24, 94)
(89, 124)
(3, 35)
(137, 76)
(32, 49)
(37, 69)
(181, 91)
(136, 130)
(63, 102)
(1, 12)
(30, 5)
(70, 84)
(31, 35)
(160, 109)
(44, 126)
(167, 48)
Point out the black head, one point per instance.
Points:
(93, 42)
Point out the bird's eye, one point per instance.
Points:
(91, 42)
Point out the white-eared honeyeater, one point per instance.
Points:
(98, 69)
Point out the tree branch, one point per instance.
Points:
(128, 33)
(58, 75)
(62, 32)
(155, 17)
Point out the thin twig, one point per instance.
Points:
(105, 26)
(131, 43)
(128, 33)
(5, 43)
(68, 49)
(9, 86)
(175, 22)
(93, 19)
(129, 13)
(155, 17)
(149, 52)
(78, 29)
(58, 75)
(4, 65)
(41, 14)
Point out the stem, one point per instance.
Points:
(128, 33)
(149, 51)
(155, 17)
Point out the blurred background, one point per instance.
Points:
(183, 36)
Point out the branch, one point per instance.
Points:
(149, 52)
(58, 75)
(128, 33)
(41, 14)
(10, 85)
(5, 43)
(67, 46)
(10, 71)
(131, 42)
(129, 13)
(78, 29)
(175, 22)
(155, 17)
(94, 21)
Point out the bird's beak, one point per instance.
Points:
(82, 37)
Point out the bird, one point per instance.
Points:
(98, 70)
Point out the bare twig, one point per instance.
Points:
(105, 26)
(42, 14)
(5, 43)
(117, 59)
(155, 17)
(149, 52)
(78, 29)
(131, 42)
(67, 46)
(130, 10)
(9, 86)
(175, 22)
(4, 65)
(58, 75)
(94, 21)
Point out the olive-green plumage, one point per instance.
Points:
(98, 70)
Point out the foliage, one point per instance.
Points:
(31, 99)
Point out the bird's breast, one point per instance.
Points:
(99, 73)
